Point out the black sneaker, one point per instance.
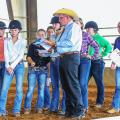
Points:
(68, 114)
(50, 112)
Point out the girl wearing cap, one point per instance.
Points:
(98, 65)
(14, 53)
(116, 99)
(37, 74)
(54, 69)
(85, 62)
(2, 59)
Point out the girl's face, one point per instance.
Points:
(118, 27)
(14, 32)
(90, 31)
(56, 26)
(50, 32)
(40, 34)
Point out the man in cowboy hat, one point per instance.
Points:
(68, 46)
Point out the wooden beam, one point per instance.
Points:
(10, 10)
(31, 9)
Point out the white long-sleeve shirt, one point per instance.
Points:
(14, 52)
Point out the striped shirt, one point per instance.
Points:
(86, 42)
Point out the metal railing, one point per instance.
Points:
(106, 59)
(101, 28)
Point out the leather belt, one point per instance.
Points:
(70, 53)
(18, 63)
(38, 68)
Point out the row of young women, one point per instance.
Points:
(94, 48)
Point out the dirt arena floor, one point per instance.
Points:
(92, 113)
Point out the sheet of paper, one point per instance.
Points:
(115, 57)
(43, 44)
(45, 53)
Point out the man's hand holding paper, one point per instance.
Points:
(50, 42)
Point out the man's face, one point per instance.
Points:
(14, 32)
(2, 31)
(40, 34)
(64, 19)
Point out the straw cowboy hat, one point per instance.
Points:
(65, 11)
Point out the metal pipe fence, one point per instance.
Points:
(107, 60)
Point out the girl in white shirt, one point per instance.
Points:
(14, 53)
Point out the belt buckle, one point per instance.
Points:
(76, 52)
(36, 68)
(39, 68)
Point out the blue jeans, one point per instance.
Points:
(116, 98)
(63, 105)
(34, 76)
(2, 70)
(19, 74)
(55, 80)
(97, 71)
(46, 97)
(84, 70)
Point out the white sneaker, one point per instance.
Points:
(98, 105)
(3, 114)
(27, 112)
(17, 114)
(39, 111)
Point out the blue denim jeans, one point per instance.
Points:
(97, 71)
(63, 105)
(46, 97)
(34, 76)
(55, 80)
(84, 70)
(19, 74)
(116, 98)
(2, 70)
